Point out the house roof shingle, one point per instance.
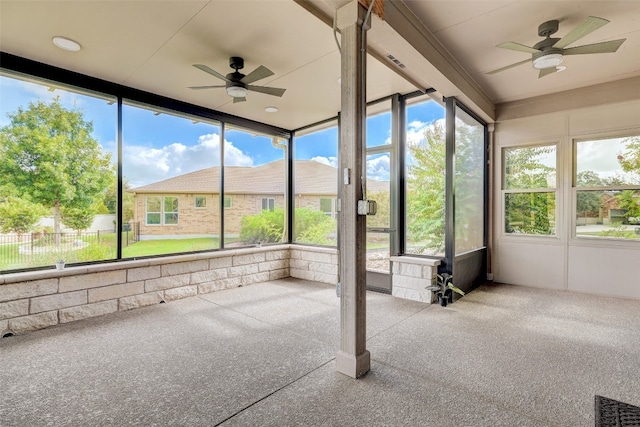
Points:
(311, 177)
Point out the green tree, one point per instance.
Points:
(48, 154)
(78, 218)
(630, 159)
(111, 199)
(426, 190)
(382, 217)
(19, 215)
(588, 203)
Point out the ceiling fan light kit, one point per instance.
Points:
(238, 85)
(548, 54)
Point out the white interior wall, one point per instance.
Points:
(564, 262)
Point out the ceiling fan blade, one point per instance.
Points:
(509, 66)
(259, 73)
(517, 46)
(547, 71)
(589, 25)
(239, 99)
(210, 71)
(604, 47)
(206, 87)
(268, 90)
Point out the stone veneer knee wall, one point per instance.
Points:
(39, 299)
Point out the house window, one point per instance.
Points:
(227, 202)
(607, 188)
(162, 210)
(268, 203)
(201, 202)
(327, 206)
(529, 190)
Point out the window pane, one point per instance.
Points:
(227, 202)
(530, 213)
(425, 169)
(255, 177)
(608, 213)
(57, 174)
(378, 125)
(530, 167)
(167, 159)
(201, 202)
(469, 183)
(378, 189)
(608, 162)
(316, 187)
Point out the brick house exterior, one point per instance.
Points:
(248, 190)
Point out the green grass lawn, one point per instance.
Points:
(167, 246)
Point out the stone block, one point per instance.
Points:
(58, 301)
(412, 294)
(300, 273)
(89, 310)
(168, 282)
(92, 280)
(278, 274)
(179, 293)
(335, 259)
(409, 282)
(115, 291)
(4, 326)
(143, 273)
(243, 270)
(34, 288)
(272, 256)
(325, 278)
(208, 276)
(255, 278)
(411, 270)
(222, 262)
(428, 272)
(14, 309)
(299, 264)
(184, 267)
(316, 256)
(323, 268)
(219, 285)
(137, 301)
(249, 259)
(273, 265)
(33, 322)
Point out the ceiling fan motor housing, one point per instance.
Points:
(236, 62)
(547, 28)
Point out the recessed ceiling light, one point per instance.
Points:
(66, 44)
(271, 109)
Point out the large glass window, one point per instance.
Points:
(255, 177)
(425, 178)
(607, 188)
(469, 183)
(171, 166)
(316, 186)
(58, 159)
(529, 190)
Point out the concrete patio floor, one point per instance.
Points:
(263, 355)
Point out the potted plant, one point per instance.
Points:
(444, 288)
(60, 264)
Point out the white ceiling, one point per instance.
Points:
(151, 45)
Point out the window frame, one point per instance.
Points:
(203, 199)
(163, 212)
(556, 191)
(575, 189)
(229, 198)
(270, 201)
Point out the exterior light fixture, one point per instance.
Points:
(66, 44)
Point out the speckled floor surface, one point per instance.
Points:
(263, 355)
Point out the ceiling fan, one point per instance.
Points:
(238, 84)
(549, 53)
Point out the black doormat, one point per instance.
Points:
(612, 413)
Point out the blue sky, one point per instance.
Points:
(160, 146)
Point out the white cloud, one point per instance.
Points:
(416, 129)
(331, 161)
(378, 168)
(144, 165)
